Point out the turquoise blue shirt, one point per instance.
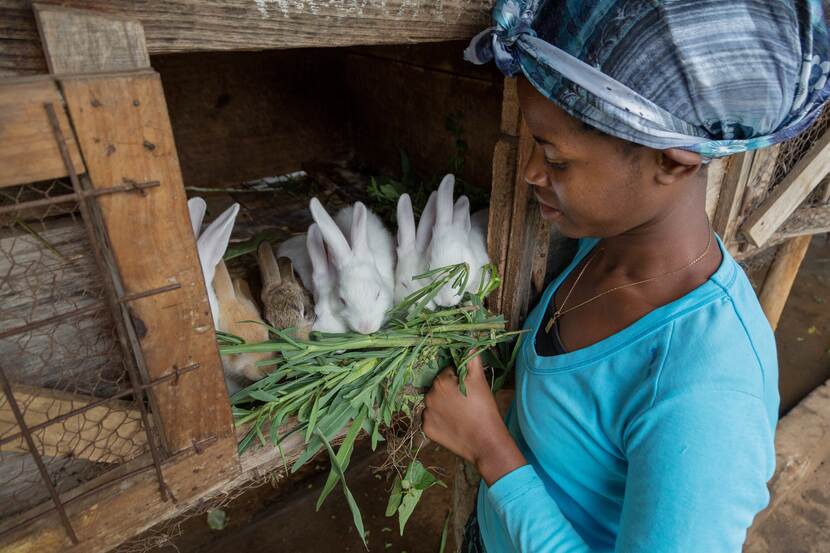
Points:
(657, 439)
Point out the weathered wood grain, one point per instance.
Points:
(76, 41)
(201, 25)
(108, 433)
(124, 132)
(790, 193)
(107, 518)
(29, 151)
(781, 276)
(732, 191)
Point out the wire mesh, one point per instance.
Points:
(59, 351)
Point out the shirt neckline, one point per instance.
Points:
(574, 359)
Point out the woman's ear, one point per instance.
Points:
(674, 165)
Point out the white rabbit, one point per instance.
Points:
(454, 241)
(365, 264)
(324, 279)
(296, 249)
(412, 246)
(234, 302)
(211, 244)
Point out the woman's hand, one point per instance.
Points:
(471, 426)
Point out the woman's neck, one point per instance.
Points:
(665, 243)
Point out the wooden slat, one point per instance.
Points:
(73, 41)
(525, 220)
(108, 433)
(790, 193)
(107, 518)
(781, 276)
(124, 133)
(28, 149)
(731, 195)
(199, 25)
(714, 183)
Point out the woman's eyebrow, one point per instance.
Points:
(542, 141)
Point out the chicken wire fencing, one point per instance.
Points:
(73, 396)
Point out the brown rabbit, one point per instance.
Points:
(236, 304)
(287, 304)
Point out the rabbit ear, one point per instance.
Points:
(461, 213)
(444, 201)
(425, 224)
(316, 250)
(196, 207)
(268, 265)
(406, 222)
(224, 288)
(214, 240)
(332, 236)
(286, 269)
(360, 230)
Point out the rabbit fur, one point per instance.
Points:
(286, 302)
(365, 263)
(211, 245)
(454, 240)
(413, 245)
(327, 316)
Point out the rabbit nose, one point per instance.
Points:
(366, 327)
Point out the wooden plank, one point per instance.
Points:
(781, 276)
(110, 516)
(731, 195)
(714, 183)
(199, 25)
(802, 443)
(29, 150)
(107, 433)
(790, 193)
(125, 135)
(72, 41)
(524, 226)
(501, 204)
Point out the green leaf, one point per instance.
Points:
(312, 418)
(358, 519)
(408, 503)
(217, 519)
(444, 533)
(262, 395)
(395, 497)
(344, 456)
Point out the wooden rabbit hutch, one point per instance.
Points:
(114, 410)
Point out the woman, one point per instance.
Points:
(646, 388)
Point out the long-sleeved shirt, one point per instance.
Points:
(657, 439)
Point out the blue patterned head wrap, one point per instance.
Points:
(711, 76)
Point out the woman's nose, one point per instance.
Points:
(534, 171)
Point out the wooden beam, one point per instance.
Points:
(781, 276)
(714, 183)
(124, 133)
(200, 25)
(790, 193)
(29, 151)
(105, 518)
(108, 433)
(732, 191)
(525, 221)
(73, 39)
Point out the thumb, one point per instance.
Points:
(474, 365)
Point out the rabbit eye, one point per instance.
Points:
(377, 296)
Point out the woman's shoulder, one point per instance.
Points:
(724, 344)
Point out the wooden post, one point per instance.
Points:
(781, 277)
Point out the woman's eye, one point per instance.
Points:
(557, 165)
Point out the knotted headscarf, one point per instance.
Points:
(710, 76)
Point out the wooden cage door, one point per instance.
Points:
(119, 133)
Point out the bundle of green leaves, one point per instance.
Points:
(336, 383)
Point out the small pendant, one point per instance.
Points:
(551, 322)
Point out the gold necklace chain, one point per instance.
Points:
(561, 310)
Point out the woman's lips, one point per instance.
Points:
(548, 211)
